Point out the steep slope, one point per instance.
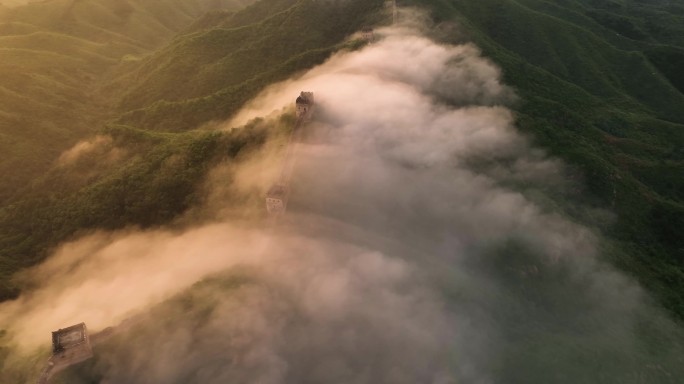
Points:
(600, 84)
(600, 87)
(144, 23)
(224, 66)
(610, 104)
(144, 178)
(53, 57)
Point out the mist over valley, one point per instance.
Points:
(473, 192)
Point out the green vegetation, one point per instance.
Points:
(138, 177)
(283, 38)
(147, 164)
(54, 58)
(601, 87)
(601, 84)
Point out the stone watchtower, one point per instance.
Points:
(368, 34)
(305, 103)
(277, 195)
(70, 346)
(276, 199)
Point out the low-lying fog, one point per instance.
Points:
(418, 247)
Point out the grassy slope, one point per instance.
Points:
(224, 66)
(601, 84)
(599, 100)
(53, 56)
(153, 181)
(598, 86)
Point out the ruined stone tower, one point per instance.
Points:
(304, 104)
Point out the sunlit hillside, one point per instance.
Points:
(488, 191)
(56, 55)
(135, 86)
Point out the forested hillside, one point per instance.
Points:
(54, 58)
(268, 42)
(108, 120)
(600, 86)
(119, 83)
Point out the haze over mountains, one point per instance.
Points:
(492, 191)
(57, 55)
